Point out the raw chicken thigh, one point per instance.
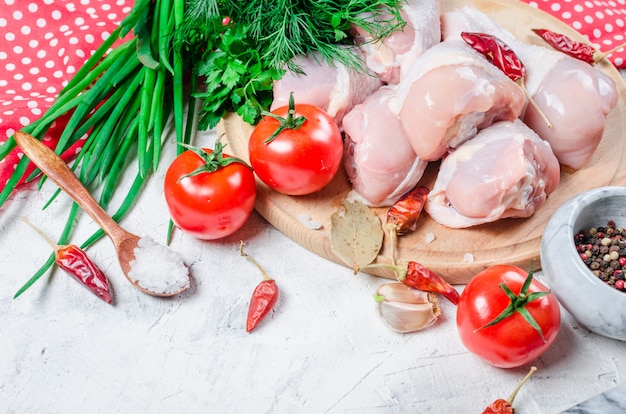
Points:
(506, 170)
(379, 159)
(335, 89)
(448, 94)
(575, 97)
(391, 56)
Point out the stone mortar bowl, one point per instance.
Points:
(593, 304)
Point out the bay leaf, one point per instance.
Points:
(356, 234)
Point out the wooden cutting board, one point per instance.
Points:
(512, 241)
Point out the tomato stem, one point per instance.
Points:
(213, 161)
(290, 122)
(518, 304)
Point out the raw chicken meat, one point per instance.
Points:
(506, 170)
(574, 96)
(450, 92)
(335, 89)
(390, 57)
(379, 159)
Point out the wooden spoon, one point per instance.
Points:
(57, 170)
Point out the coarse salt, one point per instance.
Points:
(429, 237)
(468, 258)
(157, 268)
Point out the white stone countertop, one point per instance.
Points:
(322, 350)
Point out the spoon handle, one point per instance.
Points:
(58, 171)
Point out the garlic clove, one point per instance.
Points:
(405, 309)
(399, 292)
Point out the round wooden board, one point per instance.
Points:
(512, 241)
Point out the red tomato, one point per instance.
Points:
(513, 341)
(209, 205)
(297, 161)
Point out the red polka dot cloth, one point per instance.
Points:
(602, 22)
(42, 44)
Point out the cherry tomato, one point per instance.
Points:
(303, 157)
(512, 341)
(209, 195)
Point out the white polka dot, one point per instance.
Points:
(112, 16)
(589, 5)
(41, 22)
(49, 64)
(90, 10)
(578, 8)
(597, 33)
(65, 60)
(18, 76)
(79, 21)
(84, 27)
(10, 66)
(609, 12)
(3, 55)
(41, 54)
(70, 69)
(27, 86)
(61, 52)
(33, 71)
(56, 15)
(33, 43)
(51, 89)
(588, 19)
(89, 38)
(26, 61)
(42, 79)
(566, 15)
(54, 42)
(599, 15)
(577, 25)
(9, 2)
(608, 28)
(32, 7)
(9, 36)
(106, 7)
(555, 7)
(64, 28)
(619, 22)
(18, 50)
(71, 7)
(80, 53)
(73, 41)
(36, 111)
(17, 15)
(58, 74)
(619, 61)
(24, 120)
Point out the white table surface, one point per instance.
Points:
(322, 350)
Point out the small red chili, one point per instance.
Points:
(264, 297)
(75, 261)
(505, 59)
(502, 406)
(578, 50)
(403, 214)
(498, 53)
(422, 278)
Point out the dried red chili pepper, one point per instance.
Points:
(264, 297)
(498, 53)
(501, 406)
(422, 278)
(75, 261)
(504, 58)
(571, 47)
(402, 216)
